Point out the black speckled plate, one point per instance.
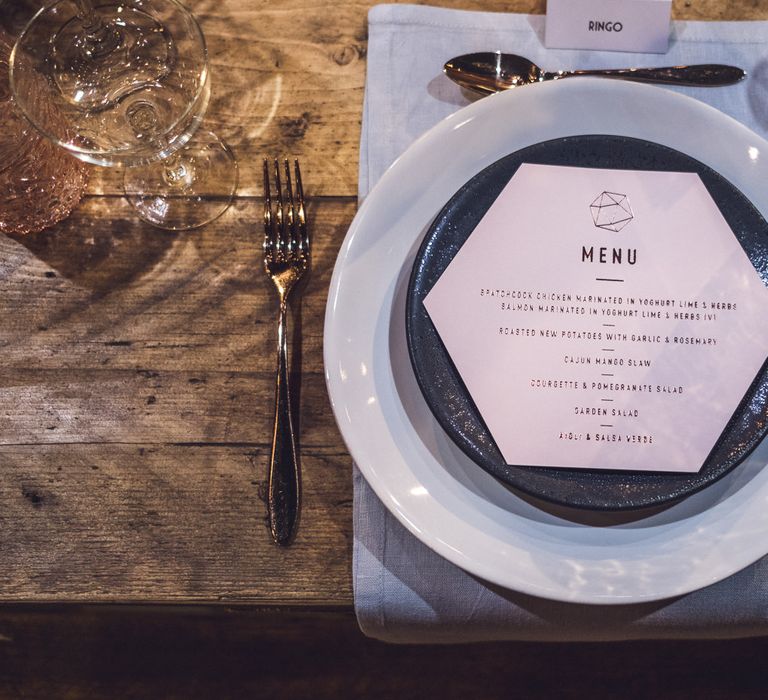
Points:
(445, 392)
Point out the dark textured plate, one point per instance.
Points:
(445, 392)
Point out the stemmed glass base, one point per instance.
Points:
(190, 188)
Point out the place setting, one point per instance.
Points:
(543, 342)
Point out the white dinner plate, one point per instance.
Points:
(438, 493)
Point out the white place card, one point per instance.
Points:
(609, 25)
(604, 319)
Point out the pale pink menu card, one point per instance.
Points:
(603, 319)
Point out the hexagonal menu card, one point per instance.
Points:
(603, 319)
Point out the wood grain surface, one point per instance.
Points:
(137, 365)
(138, 380)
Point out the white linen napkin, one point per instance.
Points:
(405, 592)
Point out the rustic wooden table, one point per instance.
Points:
(138, 365)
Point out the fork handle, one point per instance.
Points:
(284, 482)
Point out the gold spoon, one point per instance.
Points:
(490, 72)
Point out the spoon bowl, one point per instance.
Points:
(492, 72)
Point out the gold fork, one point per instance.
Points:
(286, 259)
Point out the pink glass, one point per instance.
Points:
(40, 183)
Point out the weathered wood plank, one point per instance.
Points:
(137, 406)
(104, 290)
(172, 523)
(137, 385)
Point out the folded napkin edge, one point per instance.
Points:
(683, 31)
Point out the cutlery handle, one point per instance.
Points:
(703, 75)
(284, 490)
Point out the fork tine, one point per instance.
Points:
(282, 243)
(269, 222)
(290, 210)
(301, 216)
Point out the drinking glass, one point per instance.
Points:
(127, 83)
(39, 183)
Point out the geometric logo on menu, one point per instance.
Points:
(611, 211)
